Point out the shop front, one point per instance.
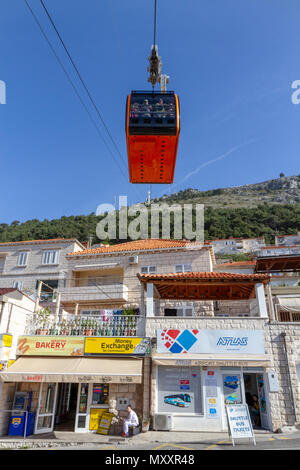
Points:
(72, 381)
(197, 372)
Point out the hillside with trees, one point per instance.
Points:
(264, 220)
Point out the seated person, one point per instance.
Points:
(134, 110)
(146, 109)
(132, 420)
(160, 109)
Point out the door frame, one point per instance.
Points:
(267, 415)
(52, 414)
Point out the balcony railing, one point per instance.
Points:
(285, 316)
(84, 325)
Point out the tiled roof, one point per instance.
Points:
(50, 240)
(205, 276)
(279, 247)
(7, 290)
(139, 245)
(237, 263)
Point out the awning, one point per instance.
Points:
(292, 304)
(212, 360)
(75, 370)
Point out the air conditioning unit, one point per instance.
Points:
(162, 422)
(133, 259)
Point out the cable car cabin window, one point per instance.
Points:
(152, 114)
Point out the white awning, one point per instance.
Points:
(292, 304)
(212, 360)
(90, 267)
(74, 370)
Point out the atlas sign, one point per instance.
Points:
(232, 341)
(195, 341)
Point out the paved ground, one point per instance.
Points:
(157, 442)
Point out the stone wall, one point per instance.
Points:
(283, 413)
(134, 393)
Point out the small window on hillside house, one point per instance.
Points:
(22, 259)
(50, 257)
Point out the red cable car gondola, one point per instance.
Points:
(152, 132)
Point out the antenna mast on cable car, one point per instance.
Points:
(156, 64)
(152, 127)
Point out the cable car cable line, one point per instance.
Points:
(82, 81)
(73, 85)
(154, 40)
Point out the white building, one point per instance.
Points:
(237, 245)
(282, 240)
(24, 263)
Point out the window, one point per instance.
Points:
(183, 268)
(22, 259)
(179, 390)
(179, 312)
(100, 394)
(18, 285)
(148, 269)
(232, 388)
(50, 257)
(48, 289)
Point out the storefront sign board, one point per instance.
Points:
(50, 346)
(104, 424)
(95, 417)
(114, 345)
(239, 422)
(210, 341)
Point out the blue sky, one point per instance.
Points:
(231, 62)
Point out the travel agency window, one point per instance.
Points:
(232, 386)
(179, 390)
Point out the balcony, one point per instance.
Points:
(88, 325)
(285, 316)
(116, 292)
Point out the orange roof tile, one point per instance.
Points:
(237, 263)
(204, 276)
(7, 290)
(139, 245)
(49, 240)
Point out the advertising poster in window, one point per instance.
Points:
(211, 395)
(232, 388)
(179, 390)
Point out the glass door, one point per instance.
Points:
(262, 401)
(81, 424)
(46, 408)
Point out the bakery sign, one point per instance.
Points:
(210, 341)
(50, 346)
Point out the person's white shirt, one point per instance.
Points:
(132, 418)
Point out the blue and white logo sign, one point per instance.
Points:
(210, 341)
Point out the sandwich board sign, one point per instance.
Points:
(239, 422)
(105, 422)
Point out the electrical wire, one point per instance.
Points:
(80, 98)
(81, 79)
(72, 84)
(154, 40)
